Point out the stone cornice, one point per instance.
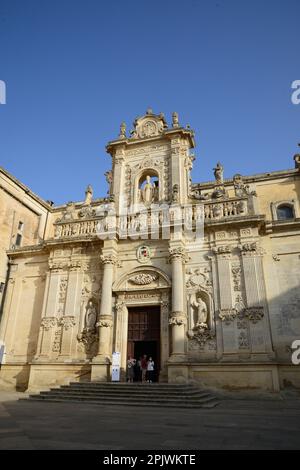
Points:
(290, 173)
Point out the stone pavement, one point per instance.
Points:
(241, 421)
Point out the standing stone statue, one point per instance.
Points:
(200, 308)
(218, 172)
(148, 191)
(109, 178)
(88, 195)
(122, 134)
(90, 316)
(175, 121)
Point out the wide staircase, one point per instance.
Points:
(130, 394)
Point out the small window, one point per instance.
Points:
(18, 239)
(285, 212)
(1, 287)
(20, 226)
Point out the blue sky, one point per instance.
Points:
(74, 69)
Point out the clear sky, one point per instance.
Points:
(74, 69)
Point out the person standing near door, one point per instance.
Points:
(150, 370)
(144, 367)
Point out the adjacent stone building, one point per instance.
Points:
(202, 276)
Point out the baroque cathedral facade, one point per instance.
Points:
(204, 277)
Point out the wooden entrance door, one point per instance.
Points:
(144, 332)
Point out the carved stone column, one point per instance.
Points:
(101, 363)
(226, 310)
(256, 310)
(72, 309)
(177, 319)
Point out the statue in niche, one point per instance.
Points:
(90, 316)
(200, 311)
(148, 191)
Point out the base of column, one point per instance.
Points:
(178, 373)
(100, 372)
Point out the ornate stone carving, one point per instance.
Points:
(143, 278)
(109, 259)
(198, 277)
(177, 319)
(177, 253)
(48, 322)
(143, 254)
(237, 272)
(227, 315)
(175, 193)
(57, 266)
(250, 249)
(88, 338)
(201, 336)
(222, 250)
(67, 322)
(105, 321)
(57, 341)
(254, 314)
(243, 340)
(241, 189)
(87, 212)
(68, 213)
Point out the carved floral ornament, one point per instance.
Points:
(254, 314)
(105, 321)
(67, 322)
(198, 278)
(143, 278)
(110, 259)
(201, 336)
(48, 322)
(178, 253)
(177, 320)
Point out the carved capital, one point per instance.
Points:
(254, 314)
(222, 250)
(109, 259)
(178, 253)
(250, 249)
(48, 322)
(177, 319)
(105, 321)
(67, 322)
(227, 315)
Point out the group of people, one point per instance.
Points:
(141, 370)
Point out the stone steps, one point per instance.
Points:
(125, 394)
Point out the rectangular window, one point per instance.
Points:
(20, 226)
(1, 287)
(18, 239)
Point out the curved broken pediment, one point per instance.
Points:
(142, 278)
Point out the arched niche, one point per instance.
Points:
(147, 187)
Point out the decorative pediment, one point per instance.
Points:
(143, 278)
(149, 125)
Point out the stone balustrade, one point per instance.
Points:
(153, 219)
